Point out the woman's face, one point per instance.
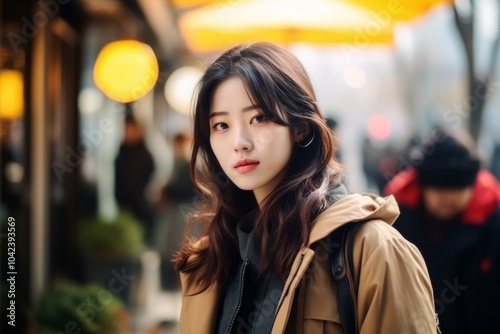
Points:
(252, 150)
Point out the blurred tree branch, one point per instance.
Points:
(478, 87)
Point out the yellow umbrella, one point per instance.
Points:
(398, 10)
(216, 27)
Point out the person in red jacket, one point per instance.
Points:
(450, 211)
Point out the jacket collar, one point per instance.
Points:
(353, 208)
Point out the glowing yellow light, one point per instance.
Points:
(126, 70)
(11, 94)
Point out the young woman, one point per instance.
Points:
(272, 192)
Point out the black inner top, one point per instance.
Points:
(249, 302)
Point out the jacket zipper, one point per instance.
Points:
(285, 291)
(242, 282)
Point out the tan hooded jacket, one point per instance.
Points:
(394, 293)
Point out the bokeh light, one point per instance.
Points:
(355, 77)
(11, 94)
(180, 87)
(126, 70)
(379, 127)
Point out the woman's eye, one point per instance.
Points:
(220, 126)
(259, 119)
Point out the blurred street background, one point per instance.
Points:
(95, 100)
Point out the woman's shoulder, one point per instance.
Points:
(377, 241)
(378, 231)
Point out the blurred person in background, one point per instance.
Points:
(134, 167)
(379, 163)
(333, 125)
(371, 156)
(495, 161)
(177, 201)
(450, 211)
(9, 197)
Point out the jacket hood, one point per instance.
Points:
(353, 208)
(485, 195)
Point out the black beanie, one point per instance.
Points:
(445, 162)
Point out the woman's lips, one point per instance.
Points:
(246, 168)
(246, 165)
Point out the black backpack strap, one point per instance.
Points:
(340, 242)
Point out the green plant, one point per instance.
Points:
(119, 238)
(84, 309)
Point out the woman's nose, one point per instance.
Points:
(242, 141)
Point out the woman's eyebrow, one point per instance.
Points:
(252, 107)
(220, 113)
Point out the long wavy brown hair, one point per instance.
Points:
(279, 85)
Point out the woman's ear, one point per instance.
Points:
(300, 132)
